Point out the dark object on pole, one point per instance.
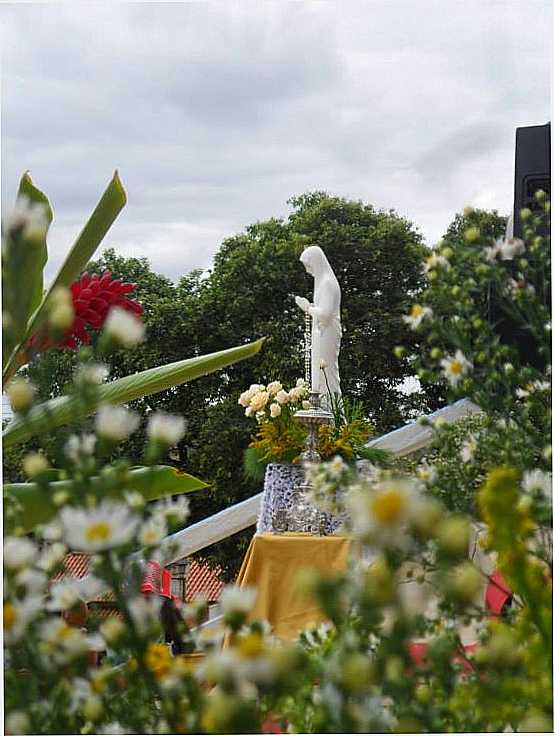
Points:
(532, 169)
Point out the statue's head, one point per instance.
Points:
(314, 260)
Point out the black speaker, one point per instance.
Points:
(532, 172)
(532, 169)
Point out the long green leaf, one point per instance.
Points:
(34, 275)
(23, 261)
(37, 507)
(66, 409)
(110, 205)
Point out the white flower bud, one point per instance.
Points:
(34, 463)
(124, 328)
(115, 423)
(21, 394)
(165, 428)
(62, 316)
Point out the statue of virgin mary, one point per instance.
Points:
(326, 327)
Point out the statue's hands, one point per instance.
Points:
(303, 303)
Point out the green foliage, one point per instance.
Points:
(463, 453)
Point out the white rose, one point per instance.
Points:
(282, 397)
(295, 394)
(275, 410)
(274, 387)
(244, 398)
(259, 400)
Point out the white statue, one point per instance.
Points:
(326, 327)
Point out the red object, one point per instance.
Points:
(156, 580)
(93, 298)
(271, 726)
(497, 594)
(419, 650)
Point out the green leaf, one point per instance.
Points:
(66, 409)
(36, 505)
(110, 205)
(34, 276)
(23, 264)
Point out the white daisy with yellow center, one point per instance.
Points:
(417, 314)
(435, 261)
(380, 513)
(106, 526)
(17, 615)
(455, 367)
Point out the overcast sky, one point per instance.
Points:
(216, 113)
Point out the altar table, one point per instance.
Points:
(272, 564)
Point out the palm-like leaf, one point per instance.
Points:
(66, 409)
(36, 505)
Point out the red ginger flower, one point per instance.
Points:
(93, 297)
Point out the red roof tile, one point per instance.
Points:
(202, 581)
(75, 565)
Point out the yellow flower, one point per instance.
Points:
(389, 505)
(251, 645)
(10, 615)
(158, 659)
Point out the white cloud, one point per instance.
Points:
(216, 113)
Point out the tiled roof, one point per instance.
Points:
(202, 581)
(75, 565)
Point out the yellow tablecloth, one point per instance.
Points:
(271, 565)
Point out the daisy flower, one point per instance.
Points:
(106, 526)
(509, 248)
(382, 512)
(537, 481)
(17, 615)
(18, 552)
(455, 367)
(417, 315)
(153, 531)
(435, 261)
(124, 328)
